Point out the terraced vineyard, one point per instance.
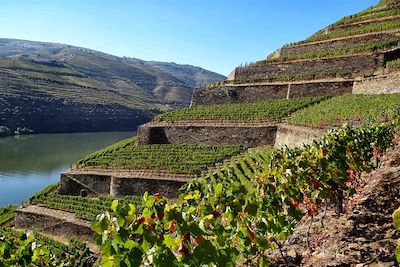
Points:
(33, 249)
(83, 207)
(240, 210)
(360, 48)
(270, 110)
(6, 215)
(185, 159)
(356, 30)
(374, 19)
(348, 108)
(368, 14)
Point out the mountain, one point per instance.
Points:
(48, 87)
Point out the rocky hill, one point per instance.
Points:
(50, 87)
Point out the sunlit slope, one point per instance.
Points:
(60, 88)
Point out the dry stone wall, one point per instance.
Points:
(386, 84)
(293, 136)
(346, 64)
(167, 187)
(338, 43)
(320, 89)
(254, 93)
(121, 183)
(72, 184)
(52, 221)
(208, 134)
(238, 94)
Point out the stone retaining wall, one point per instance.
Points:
(121, 183)
(208, 134)
(386, 84)
(338, 43)
(293, 136)
(52, 221)
(320, 89)
(96, 184)
(255, 93)
(167, 187)
(238, 94)
(250, 136)
(344, 64)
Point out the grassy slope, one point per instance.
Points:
(384, 13)
(252, 112)
(348, 108)
(103, 71)
(185, 159)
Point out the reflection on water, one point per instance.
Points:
(29, 163)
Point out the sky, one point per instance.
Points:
(217, 35)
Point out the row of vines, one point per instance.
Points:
(86, 208)
(185, 159)
(360, 48)
(269, 110)
(33, 249)
(356, 30)
(236, 212)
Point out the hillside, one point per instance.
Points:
(72, 89)
(338, 59)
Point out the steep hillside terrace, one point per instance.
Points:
(269, 123)
(327, 63)
(251, 124)
(64, 217)
(337, 43)
(352, 109)
(371, 14)
(317, 72)
(258, 89)
(390, 22)
(352, 64)
(348, 48)
(126, 168)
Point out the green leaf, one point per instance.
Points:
(132, 209)
(396, 218)
(169, 241)
(205, 253)
(397, 253)
(114, 205)
(130, 244)
(146, 246)
(164, 257)
(218, 189)
(251, 209)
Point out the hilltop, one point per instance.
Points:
(49, 87)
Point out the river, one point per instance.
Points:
(31, 162)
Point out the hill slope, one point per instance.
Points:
(50, 87)
(330, 62)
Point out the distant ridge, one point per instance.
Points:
(103, 92)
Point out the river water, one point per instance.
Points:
(29, 163)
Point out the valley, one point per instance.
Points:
(291, 161)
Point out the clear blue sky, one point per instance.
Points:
(215, 34)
